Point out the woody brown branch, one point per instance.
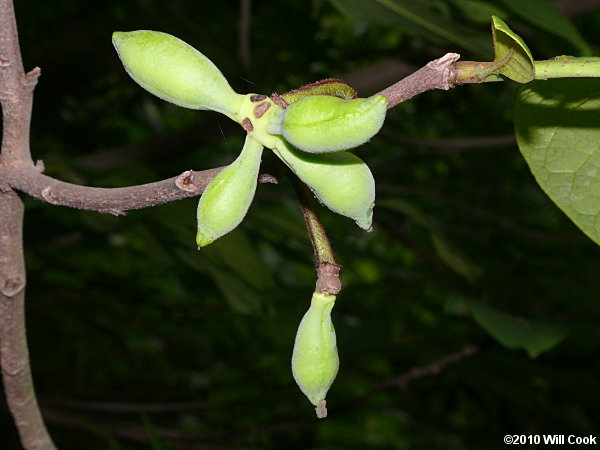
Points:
(111, 200)
(437, 74)
(16, 97)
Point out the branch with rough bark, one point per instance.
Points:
(437, 74)
(16, 97)
(111, 200)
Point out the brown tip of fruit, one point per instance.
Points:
(321, 409)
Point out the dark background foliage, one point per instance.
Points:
(125, 310)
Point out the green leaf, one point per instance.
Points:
(557, 123)
(236, 252)
(457, 305)
(281, 222)
(477, 10)
(235, 267)
(546, 15)
(155, 442)
(421, 18)
(511, 53)
(454, 259)
(445, 250)
(513, 332)
(240, 297)
(411, 211)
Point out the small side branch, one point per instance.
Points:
(469, 72)
(437, 74)
(111, 200)
(429, 370)
(447, 72)
(403, 381)
(328, 271)
(125, 407)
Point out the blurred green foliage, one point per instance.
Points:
(125, 309)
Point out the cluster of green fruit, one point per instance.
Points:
(309, 129)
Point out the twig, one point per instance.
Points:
(244, 32)
(482, 214)
(155, 148)
(434, 368)
(447, 146)
(111, 200)
(176, 438)
(437, 74)
(183, 439)
(328, 271)
(125, 407)
(130, 430)
(446, 72)
(571, 9)
(402, 381)
(16, 96)
(427, 257)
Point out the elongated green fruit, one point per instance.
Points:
(315, 359)
(322, 123)
(174, 71)
(226, 199)
(340, 180)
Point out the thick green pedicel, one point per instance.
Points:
(340, 180)
(174, 71)
(227, 197)
(322, 123)
(315, 359)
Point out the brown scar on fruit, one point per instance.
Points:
(259, 110)
(257, 98)
(247, 125)
(278, 100)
